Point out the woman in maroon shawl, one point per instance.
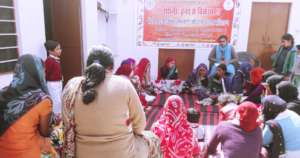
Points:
(126, 68)
(168, 71)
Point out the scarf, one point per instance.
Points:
(69, 96)
(256, 75)
(26, 90)
(140, 71)
(173, 130)
(248, 114)
(195, 74)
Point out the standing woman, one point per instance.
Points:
(102, 113)
(25, 110)
(283, 60)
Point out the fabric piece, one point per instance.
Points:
(173, 130)
(21, 139)
(27, 89)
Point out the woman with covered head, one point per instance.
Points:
(142, 71)
(126, 68)
(25, 110)
(168, 71)
(255, 89)
(199, 77)
(174, 131)
(102, 113)
(197, 82)
(289, 93)
(281, 132)
(239, 138)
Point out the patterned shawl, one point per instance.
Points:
(174, 131)
(26, 90)
(68, 100)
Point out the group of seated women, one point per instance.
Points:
(103, 115)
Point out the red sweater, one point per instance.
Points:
(53, 69)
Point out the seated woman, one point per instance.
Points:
(239, 138)
(102, 113)
(126, 68)
(26, 109)
(220, 82)
(168, 71)
(228, 106)
(289, 93)
(174, 131)
(240, 78)
(197, 82)
(287, 140)
(272, 82)
(142, 71)
(254, 88)
(267, 74)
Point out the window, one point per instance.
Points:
(8, 36)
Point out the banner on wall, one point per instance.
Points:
(185, 21)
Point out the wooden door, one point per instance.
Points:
(184, 60)
(269, 21)
(63, 24)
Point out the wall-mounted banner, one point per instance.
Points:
(184, 22)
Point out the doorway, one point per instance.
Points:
(269, 21)
(63, 24)
(184, 60)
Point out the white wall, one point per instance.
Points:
(127, 31)
(30, 29)
(89, 25)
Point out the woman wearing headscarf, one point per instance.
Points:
(199, 77)
(142, 71)
(25, 110)
(289, 93)
(126, 68)
(281, 135)
(197, 82)
(255, 89)
(240, 78)
(168, 71)
(102, 113)
(174, 131)
(239, 138)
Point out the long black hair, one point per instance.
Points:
(100, 59)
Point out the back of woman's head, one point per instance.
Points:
(272, 106)
(273, 80)
(248, 114)
(267, 74)
(287, 91)
(100, 59)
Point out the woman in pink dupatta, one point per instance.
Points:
(174, 131)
